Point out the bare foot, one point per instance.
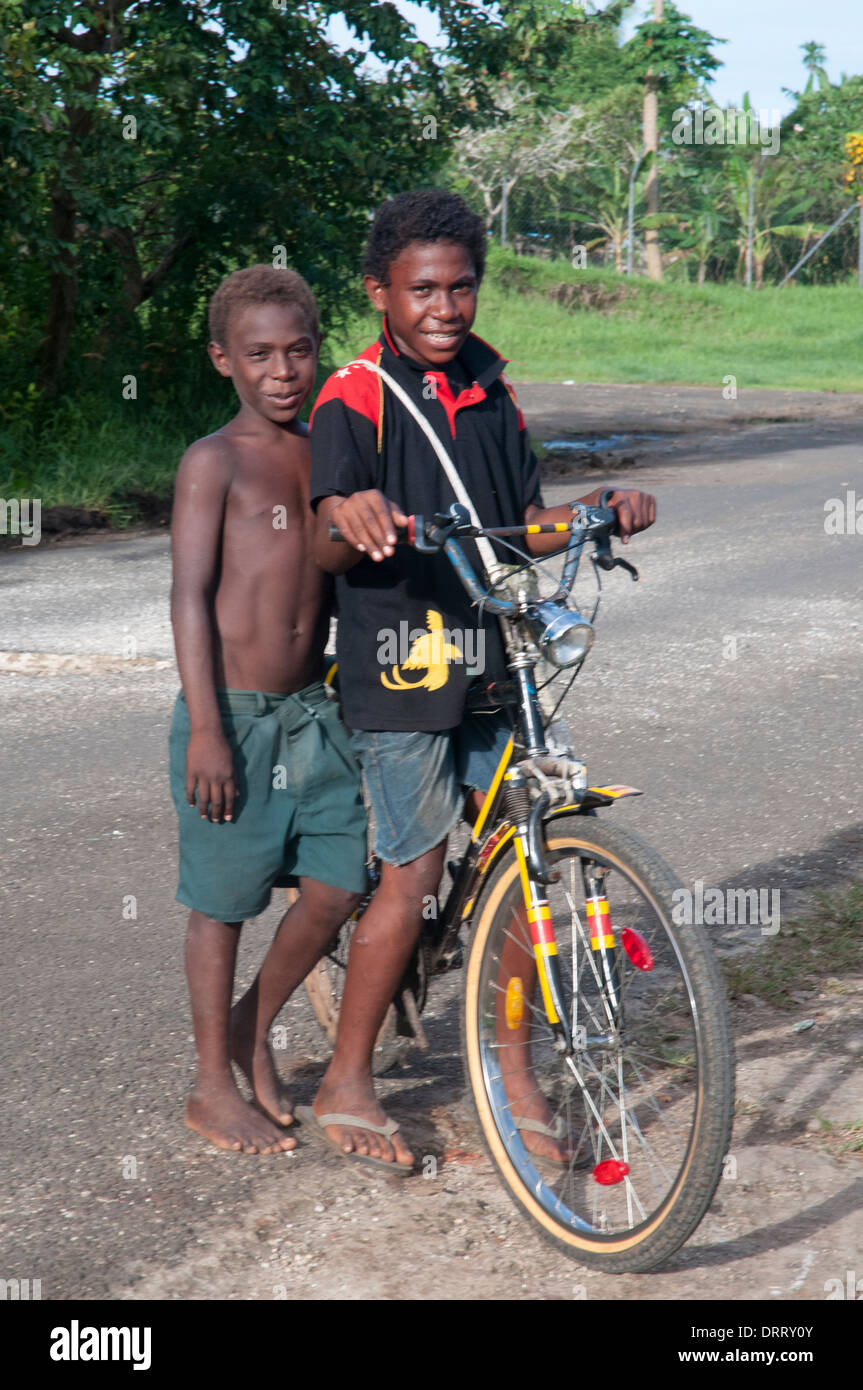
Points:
(222, 1116)
(360, 1100)
(256, 1062)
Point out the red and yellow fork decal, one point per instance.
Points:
(602, 942)
(541, 931)
(542, 936)
(599, 918)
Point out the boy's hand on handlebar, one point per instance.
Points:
(635, 511)
(369, 522)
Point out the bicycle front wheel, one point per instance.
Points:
(643, 1105)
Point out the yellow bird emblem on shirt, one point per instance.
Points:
(431, 651)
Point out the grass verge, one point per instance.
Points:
(559, 324)
(811, 951)
(93, 449)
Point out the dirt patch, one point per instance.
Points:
(66, 523)
(599, 298)
(555, 410)
(785, 1221)
(564, 463)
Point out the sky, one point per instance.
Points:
(762, 54)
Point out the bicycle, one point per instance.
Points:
(577, 972)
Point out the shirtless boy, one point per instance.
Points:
(266, 788)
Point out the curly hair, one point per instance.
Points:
(260, 284)
(422, 214)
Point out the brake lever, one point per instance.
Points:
(625, 565)
(602, 555)
(443, 525)
(417, 536)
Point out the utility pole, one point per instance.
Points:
(651, 145)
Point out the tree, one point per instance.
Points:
(525, 143)
(651, 147)
(668, 51)
(150, 147)
(763, 195)
(813, 139)
(609, 209)
(814, 57)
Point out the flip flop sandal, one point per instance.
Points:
(558, 1131)
(317, 1129)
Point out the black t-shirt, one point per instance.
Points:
(409, 640)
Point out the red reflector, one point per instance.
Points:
(610, 1171)
(637, 949)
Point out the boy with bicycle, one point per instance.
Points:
(372, 466)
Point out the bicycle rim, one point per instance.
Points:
(645, 1100)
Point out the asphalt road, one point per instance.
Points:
(726, 684)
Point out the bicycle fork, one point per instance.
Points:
(602, 938)
(544, 945)
(541, 928)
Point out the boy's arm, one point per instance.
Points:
(344, 457)
(635, 512)
(200, 495)
(367, 520)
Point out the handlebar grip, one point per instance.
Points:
(403, 533)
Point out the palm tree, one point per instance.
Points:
(814, 57)
(609, 209)
(757, 190)
(651, 147)
(704, 194)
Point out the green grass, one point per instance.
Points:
(810, 337)
(842, 1138)
(97, 451)
(808, 952)
(99, 457)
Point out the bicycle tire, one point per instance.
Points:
(688, 1119)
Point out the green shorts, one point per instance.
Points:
(299, 811)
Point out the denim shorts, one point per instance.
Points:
(300, 810)
(416, 782)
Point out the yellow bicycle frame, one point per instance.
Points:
(537, 909)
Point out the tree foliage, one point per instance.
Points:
(148, 148)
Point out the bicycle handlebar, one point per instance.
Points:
(444, 533)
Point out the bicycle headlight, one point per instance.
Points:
(563, 636)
